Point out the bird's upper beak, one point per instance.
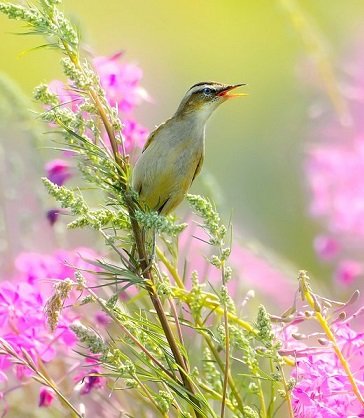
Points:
(225, 92)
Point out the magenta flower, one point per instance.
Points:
(22, 320)
(66, 94)
(348, 271)
(90, 380)
(121, 81)
(58, 171)
(323, 389)
(46, 397)
(327, 248)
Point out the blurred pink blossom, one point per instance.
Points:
(66, 94)
(327, 248)
(58, 171)
(46, 397)
(89, 379)
(348, 271)
(121, 81)
(335, 169)
(253, 268)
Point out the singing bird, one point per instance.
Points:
(174, 152)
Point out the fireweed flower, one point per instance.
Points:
(22, 320)
(323, 389)
(121, 82)
(329, 359)
(89, 379)
(46, 397)
(58, 171)
(335, 168)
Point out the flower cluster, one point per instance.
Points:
(23, 323)
(323, 389)
(335, 168)
(121, 82)
(329, 362)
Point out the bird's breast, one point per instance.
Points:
(167, 167)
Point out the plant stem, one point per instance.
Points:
(287, 394)
(227, 346)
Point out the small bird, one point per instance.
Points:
(174, 152)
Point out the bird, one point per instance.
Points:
(174, 152)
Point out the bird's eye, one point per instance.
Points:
(207, 91)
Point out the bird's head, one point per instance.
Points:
(203, 98)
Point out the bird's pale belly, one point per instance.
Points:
(167, 180)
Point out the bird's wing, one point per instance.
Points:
(149, 140)
(152, 136)
(198, 167)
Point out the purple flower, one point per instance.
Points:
(22, 321)
(323, 389)
(348, 271)
(58, 171)
(327, 248)
(46, 397)
(53, 215)
(88, 381)
(121, 81)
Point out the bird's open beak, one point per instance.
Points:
(226, 91)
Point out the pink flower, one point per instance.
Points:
(323, 388)
(66, 94)
(22, 321)
(135, 135)
(58, 171)
(121, 81)
(46, 397)
(348, 271)
(327, 248)
(335, 169)
(90, 380)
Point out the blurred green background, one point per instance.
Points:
(255, 145)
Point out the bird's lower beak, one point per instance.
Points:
(226, 92)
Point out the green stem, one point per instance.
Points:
(227, 347)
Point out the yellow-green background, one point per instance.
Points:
(255, 145)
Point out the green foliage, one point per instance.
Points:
(211, 219)
(160, 223)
